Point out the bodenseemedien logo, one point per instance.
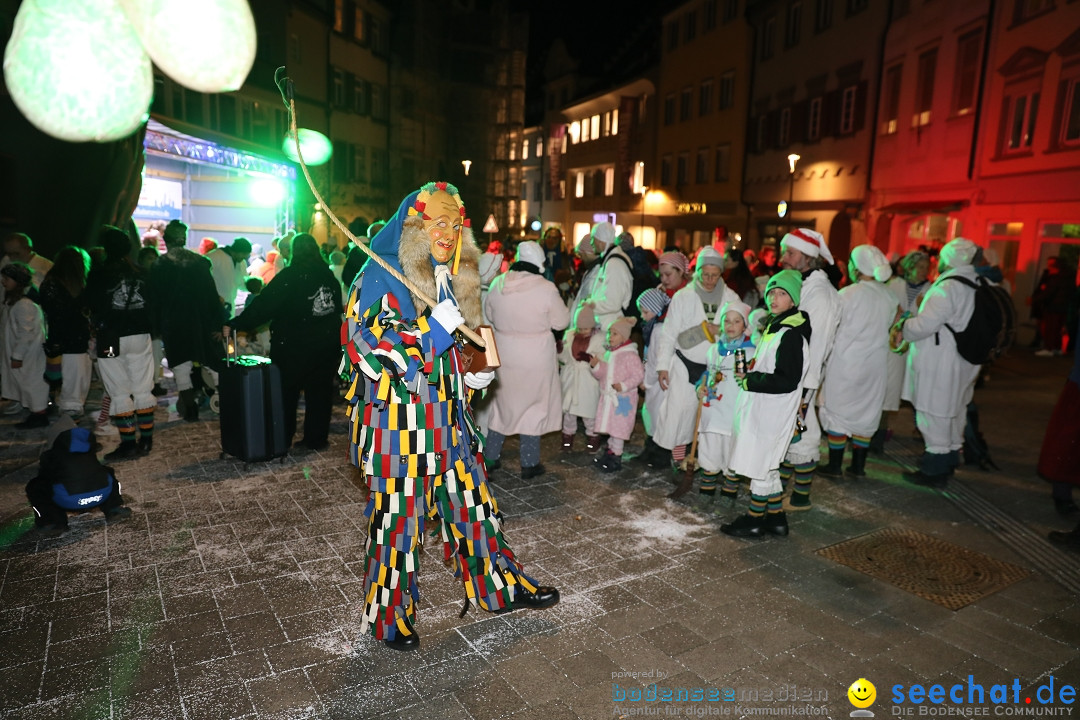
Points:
(862, 694)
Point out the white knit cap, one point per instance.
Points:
(869, 260)
(958, 253)
(808, 242)
(604, 232)
(489, 266)
(708, 255)
(736, 306)
(530, 251)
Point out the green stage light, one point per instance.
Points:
(266, 192)
(77, 71)
(315, 147)
(206, 45)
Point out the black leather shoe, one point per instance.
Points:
(776, 524)
(534, 471)
(404, 642)
(124, 451)
(544, 597)
(746, 526)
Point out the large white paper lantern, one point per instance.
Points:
(206, 45)
(77, 71)
(315, 147)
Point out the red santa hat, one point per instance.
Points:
(808, 242)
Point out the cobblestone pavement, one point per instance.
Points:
(233, 592)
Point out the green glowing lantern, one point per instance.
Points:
(315, 147)
(206, 45)
(77, 70)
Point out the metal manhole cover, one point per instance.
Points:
(938, 571)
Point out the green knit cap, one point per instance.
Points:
(790, 281)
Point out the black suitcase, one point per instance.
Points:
(252, 412)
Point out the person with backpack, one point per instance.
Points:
(613, 288)
(941, 381)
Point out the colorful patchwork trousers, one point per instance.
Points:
(460, 503)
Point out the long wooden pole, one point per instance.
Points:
(285, 86)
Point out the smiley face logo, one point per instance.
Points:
(862, 693)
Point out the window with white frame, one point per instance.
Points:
(669, 109)
(339, 87)
(594, 121)
(813, 119)
(575, 132)
(701, 166)
(768, 30)
(682, 168)
(793, 29)
(579, 184)
(822, 15)
(615, 122)
(525, 149)
(783, 133)
(1070, 116)
(607, 123)
(924, 88)
(705, 93)
(586, 130)
(847, 109)
(727, 90)
(686, 104)
(665, 171)
(639, 177)
(966, 78)
(1022, 110)
(609, 181)
(722, 163)
(890, 99)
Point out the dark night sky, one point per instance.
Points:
(611, 41)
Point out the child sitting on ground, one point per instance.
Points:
(581, 391)
(72, 478)
(765, 409)
(619, 373)
(718, 389)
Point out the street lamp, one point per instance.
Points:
(792, 160)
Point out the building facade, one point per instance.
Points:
(933, 75)
(815, 73)
(1027, 201)
(695, 182)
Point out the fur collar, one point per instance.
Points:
(414, 254)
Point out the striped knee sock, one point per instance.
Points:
(775, 502)
(708, 483)
(757, 505)
(861, 441)
(103, 415)
(804, 476)
(678, 453)
(731, 486)
(126, 425)
(145, 420)
(786, 471)
(837, 441)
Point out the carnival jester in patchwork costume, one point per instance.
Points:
(413, 433)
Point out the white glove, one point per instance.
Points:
(447, 314)
(480, 380)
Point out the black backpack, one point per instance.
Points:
(992, 328)
(643, 278)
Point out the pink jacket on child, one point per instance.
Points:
(616, 411)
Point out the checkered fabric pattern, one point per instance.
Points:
(415, 439)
